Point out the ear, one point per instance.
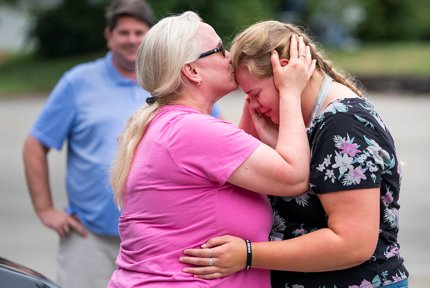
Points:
(190, 73)
(283, 62)
(107, 34)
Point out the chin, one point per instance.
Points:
(130, 60)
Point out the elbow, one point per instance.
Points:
(288, 180)
(293, 185)
(299, 173)
(362, 252)
(368, 245)
(361, 256)
(301, 182)
(369, 248)
(302, 185)
(301, 176)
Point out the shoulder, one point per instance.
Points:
(349, 122)
(203, 128)
(201, 124)
(77, 79)
(349, 113)
(85, 70)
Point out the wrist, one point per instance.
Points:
(290, 94)
(248, 263)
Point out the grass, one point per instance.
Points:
(399, 59)
(25, 74)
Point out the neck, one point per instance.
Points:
(309, 96)
(193, 97)
(125, 69)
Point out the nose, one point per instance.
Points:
(254, 104)
(135, 38)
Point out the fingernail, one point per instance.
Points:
(204, 245)
(181, 259)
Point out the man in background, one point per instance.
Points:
(88, 109)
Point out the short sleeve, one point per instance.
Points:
(208, 147)
(348, 152)
(53, 124)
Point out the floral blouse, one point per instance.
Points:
(351, 149)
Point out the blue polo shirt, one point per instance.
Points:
(88, 108)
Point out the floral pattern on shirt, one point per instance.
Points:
(350, 164)
(351, 149)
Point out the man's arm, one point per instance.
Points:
(35, 156)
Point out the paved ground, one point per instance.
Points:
(24, 239)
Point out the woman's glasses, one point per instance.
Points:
(220, 48)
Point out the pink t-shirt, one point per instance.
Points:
(177, 197)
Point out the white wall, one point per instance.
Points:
(14, 25)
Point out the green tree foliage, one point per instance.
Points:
(226, 16)
(387, 20)
(420, 19)
(74, 27)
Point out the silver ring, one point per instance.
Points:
(210, 262)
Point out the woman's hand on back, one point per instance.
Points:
(227, 254)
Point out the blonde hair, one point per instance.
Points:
(252, 49)
(166, 48)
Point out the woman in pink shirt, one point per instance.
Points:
(182, 176)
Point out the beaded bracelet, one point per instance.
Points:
(248, 255)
